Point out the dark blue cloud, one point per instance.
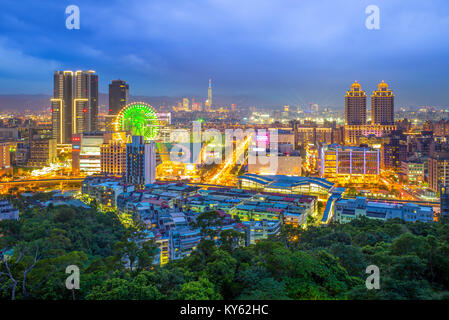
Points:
(284, 51)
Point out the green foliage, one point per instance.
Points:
(202, 289)
(320, 262)
(138, 288)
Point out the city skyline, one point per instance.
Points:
(224, 150)
(175, 54)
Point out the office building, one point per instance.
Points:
(395, 151)
(209, 97)
(118, 96)
(74, 104)
(413, 170)
(5, 158)
(140, 162)
(113, 158)
(9, 134)
(22, 154)
(423, 145)
(382, 105)
(355, 105)
(349, 164)
(86, 101)
(86, 152)
(42, 152)
(438, 170)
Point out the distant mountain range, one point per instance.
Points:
(23, 102)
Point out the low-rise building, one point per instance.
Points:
(168, 210)
(7, 211)
(260, 230)
(104, 191)
(346, 210)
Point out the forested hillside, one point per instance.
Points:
(326, 262)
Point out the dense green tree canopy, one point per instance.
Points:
(322, 262)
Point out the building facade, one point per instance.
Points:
(42, 152)
(382, 105)
(140, 162)
(438, 170)
(118, 96)
(305, 135)
(286, 184)
(74, 104)
(353, 133)
(5, 158)
(355, 105)
(394, 152)
(349, 164)
(113, 158)
(346, 210)
(413, 170)
(209, 97)
(86, 155)
(441, 128)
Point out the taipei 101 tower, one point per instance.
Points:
(209, 96)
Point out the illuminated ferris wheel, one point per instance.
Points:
(138, 119)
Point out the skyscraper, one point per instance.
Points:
(118, 96)
(209, 95)
(140, 162)
(355, 105)
(86, 101)
(382, 105)
(74, 104)
(61, 109)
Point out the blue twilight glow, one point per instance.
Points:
(280, 52)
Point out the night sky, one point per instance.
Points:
(282, 52)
